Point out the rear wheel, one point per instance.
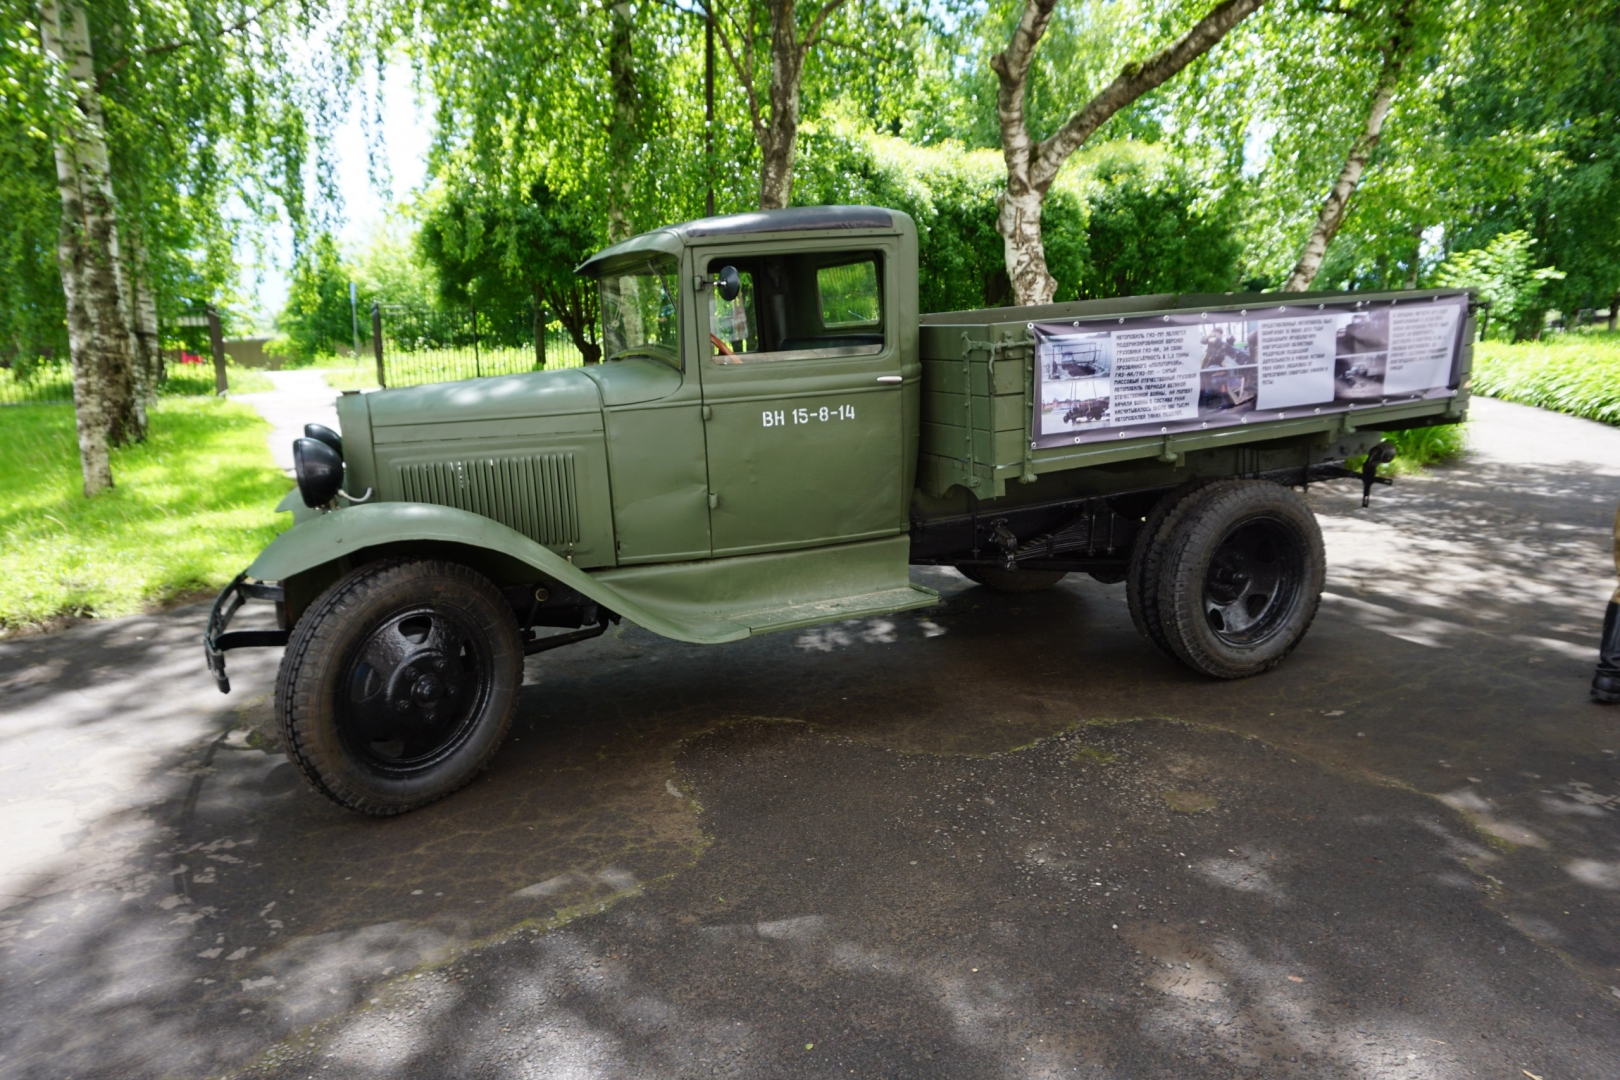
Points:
(1242, 577)
(1142, 577)
(399, 684)
(1012, 581)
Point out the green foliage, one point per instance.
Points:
(1417, 447)
(52, 381)
(506, 256)
(193, 506)
(1123, 220)
(389, 269)
(1146, 234)
(318, 317)
(1505, 276)
(214, 118)
(1576, 373)
(415, 367)
(950, 193)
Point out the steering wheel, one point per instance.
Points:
(720, 345)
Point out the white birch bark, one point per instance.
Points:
(1032, 166)
(98, 312)
(148, 365)
(1337, 203)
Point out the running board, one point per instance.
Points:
(860, 606)
(715, 600)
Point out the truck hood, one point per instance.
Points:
(504, 397)
(633, 380)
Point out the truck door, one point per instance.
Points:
(802, 394)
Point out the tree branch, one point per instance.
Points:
(1395, 54)
(1130, 84)
(185, 43)
(1011, 66)
(810, 35)
(744, 67)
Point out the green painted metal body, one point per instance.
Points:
(708, 499)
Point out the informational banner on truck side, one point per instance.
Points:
(1125, 377)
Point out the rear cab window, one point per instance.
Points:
(813, 305)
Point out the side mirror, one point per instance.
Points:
(728, 283)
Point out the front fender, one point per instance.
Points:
(315, 542)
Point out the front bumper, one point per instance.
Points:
(215, 639)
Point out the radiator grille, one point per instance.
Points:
(536, 495)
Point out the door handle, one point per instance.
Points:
(891, 378)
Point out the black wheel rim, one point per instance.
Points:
(1252, 581)
(413, 691)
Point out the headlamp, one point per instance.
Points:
(319, 470)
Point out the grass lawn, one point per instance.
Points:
(1576, 373)
(191, 508)
(54, 382)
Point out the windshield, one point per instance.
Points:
(639, 312)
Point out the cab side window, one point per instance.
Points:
(849, 295)
(814, 305)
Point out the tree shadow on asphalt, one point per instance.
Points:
(1038, 912)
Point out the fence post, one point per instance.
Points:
(478, 366)
(539, 335)
(216, 339)
(377, 344)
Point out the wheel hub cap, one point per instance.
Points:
(414, 688)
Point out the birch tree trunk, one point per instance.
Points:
(100, 334)
(624, 135)
(1331, 216)
(779, 135)
(1032, 166)
(147, 352)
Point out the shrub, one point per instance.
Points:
(1576, 373)
(1504, 276)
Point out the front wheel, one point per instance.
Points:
(399, 684)
(1241, 578)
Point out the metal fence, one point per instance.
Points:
(413, 346)
(45, 382)
(49, 380)
(410, 347)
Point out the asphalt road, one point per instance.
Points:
(1003, 838)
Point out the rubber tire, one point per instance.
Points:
(317, 655)
(1012, 581)
(1205, 521)
(1143, 575)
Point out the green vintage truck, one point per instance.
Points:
(774, 437)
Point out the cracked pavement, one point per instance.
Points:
(1000, 838)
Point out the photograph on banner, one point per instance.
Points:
(1076, 380)
(1208, 369)
(1360, 354)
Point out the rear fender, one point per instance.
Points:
(321, 549)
